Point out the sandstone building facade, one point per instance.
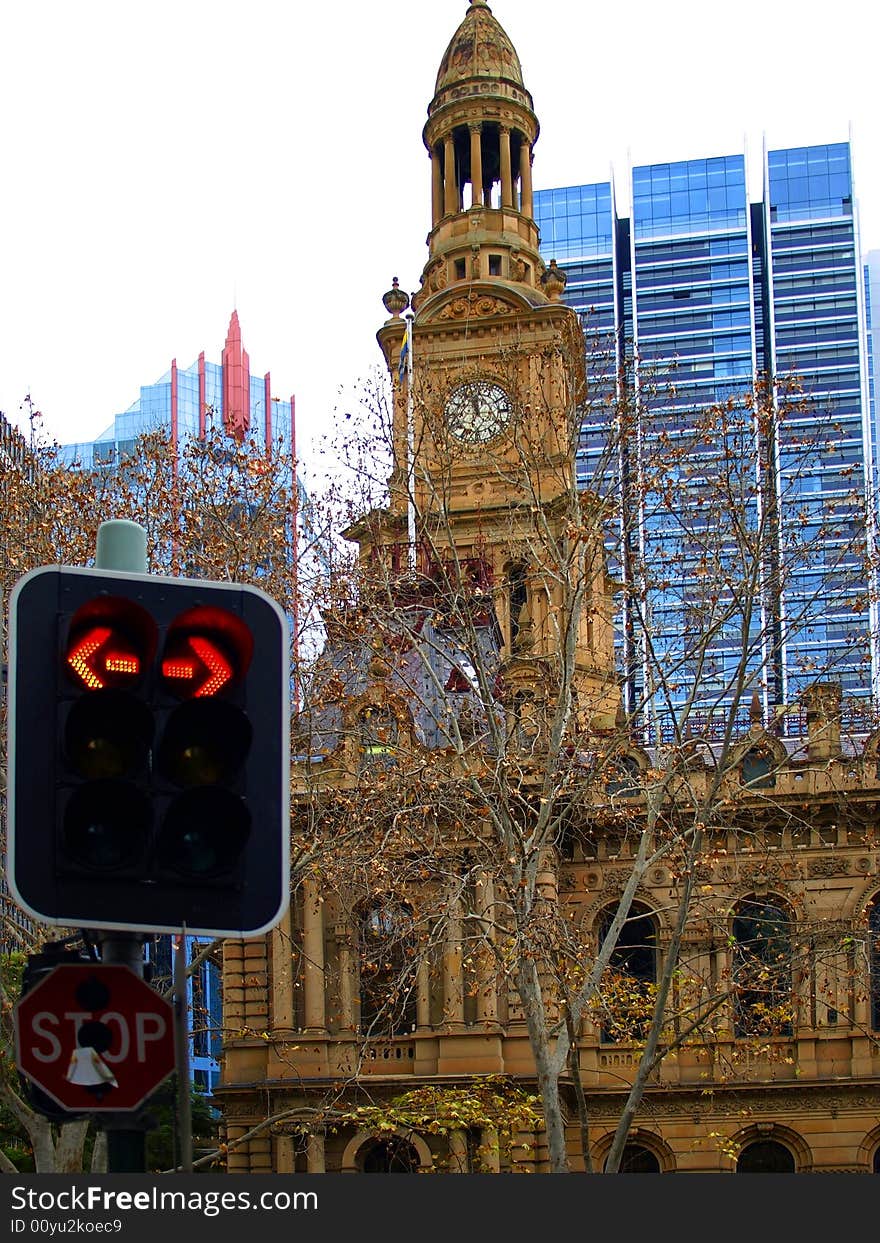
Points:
(357, 1033)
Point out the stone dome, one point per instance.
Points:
(479, 49)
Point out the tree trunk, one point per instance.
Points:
(529, 990)
(69, 1147)
(649, 1058)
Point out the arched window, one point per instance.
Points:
(762, 969)
(765, 1156)
(389, 1156)
(378, 736)
(517, 598)
(874, 961)
(632, 971)
(387, 946)
(524, 722)
(637, 1159)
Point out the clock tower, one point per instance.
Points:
(488, 400)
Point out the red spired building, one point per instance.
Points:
(190, 401)
(236, 385)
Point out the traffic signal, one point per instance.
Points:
(148, 752)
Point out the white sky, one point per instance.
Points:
(166, 161)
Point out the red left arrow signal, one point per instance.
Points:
(201, 671)
(98, 653)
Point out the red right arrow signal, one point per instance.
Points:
(200, 671)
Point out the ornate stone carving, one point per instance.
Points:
(762, 873)
(827, 866)
(240, 1109)
(474, 304)
(745, 1101)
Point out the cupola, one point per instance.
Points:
(480, 133)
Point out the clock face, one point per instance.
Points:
(477, 411)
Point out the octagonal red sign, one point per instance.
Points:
(94, 1037)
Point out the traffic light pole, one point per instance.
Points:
(161, 803)
(122, 545)
(181, 1051)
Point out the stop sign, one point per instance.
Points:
(94, 1037)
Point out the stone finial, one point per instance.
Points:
(395, 300)
(553, 281)
(822, 703)
(756, 712)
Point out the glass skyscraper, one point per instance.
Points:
(189, 401)
(712, 292)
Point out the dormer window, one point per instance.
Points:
(624, 776)
(757, 770)
(378, 736)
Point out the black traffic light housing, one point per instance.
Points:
(148, 752)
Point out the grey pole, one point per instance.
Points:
(122, 545)
(181, 1051)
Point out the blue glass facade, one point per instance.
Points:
(701, 293)
(818, 334)
(204, 1005)
(153, 412)
(578, 227)
(689, 196)
(693, 337)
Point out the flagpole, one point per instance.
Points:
(410, 451)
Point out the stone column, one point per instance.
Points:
(458, 1162)
(490, 1152)
(506, 174)
(526, 204)
(487, 969)
(282, 975)
(423, 996)
(313, 956)
(436, 187)
(722, 965)
(450, 189)
(315, 1163)
(453, 991)
(285, 1155)
(346, 977)
(476, 164)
